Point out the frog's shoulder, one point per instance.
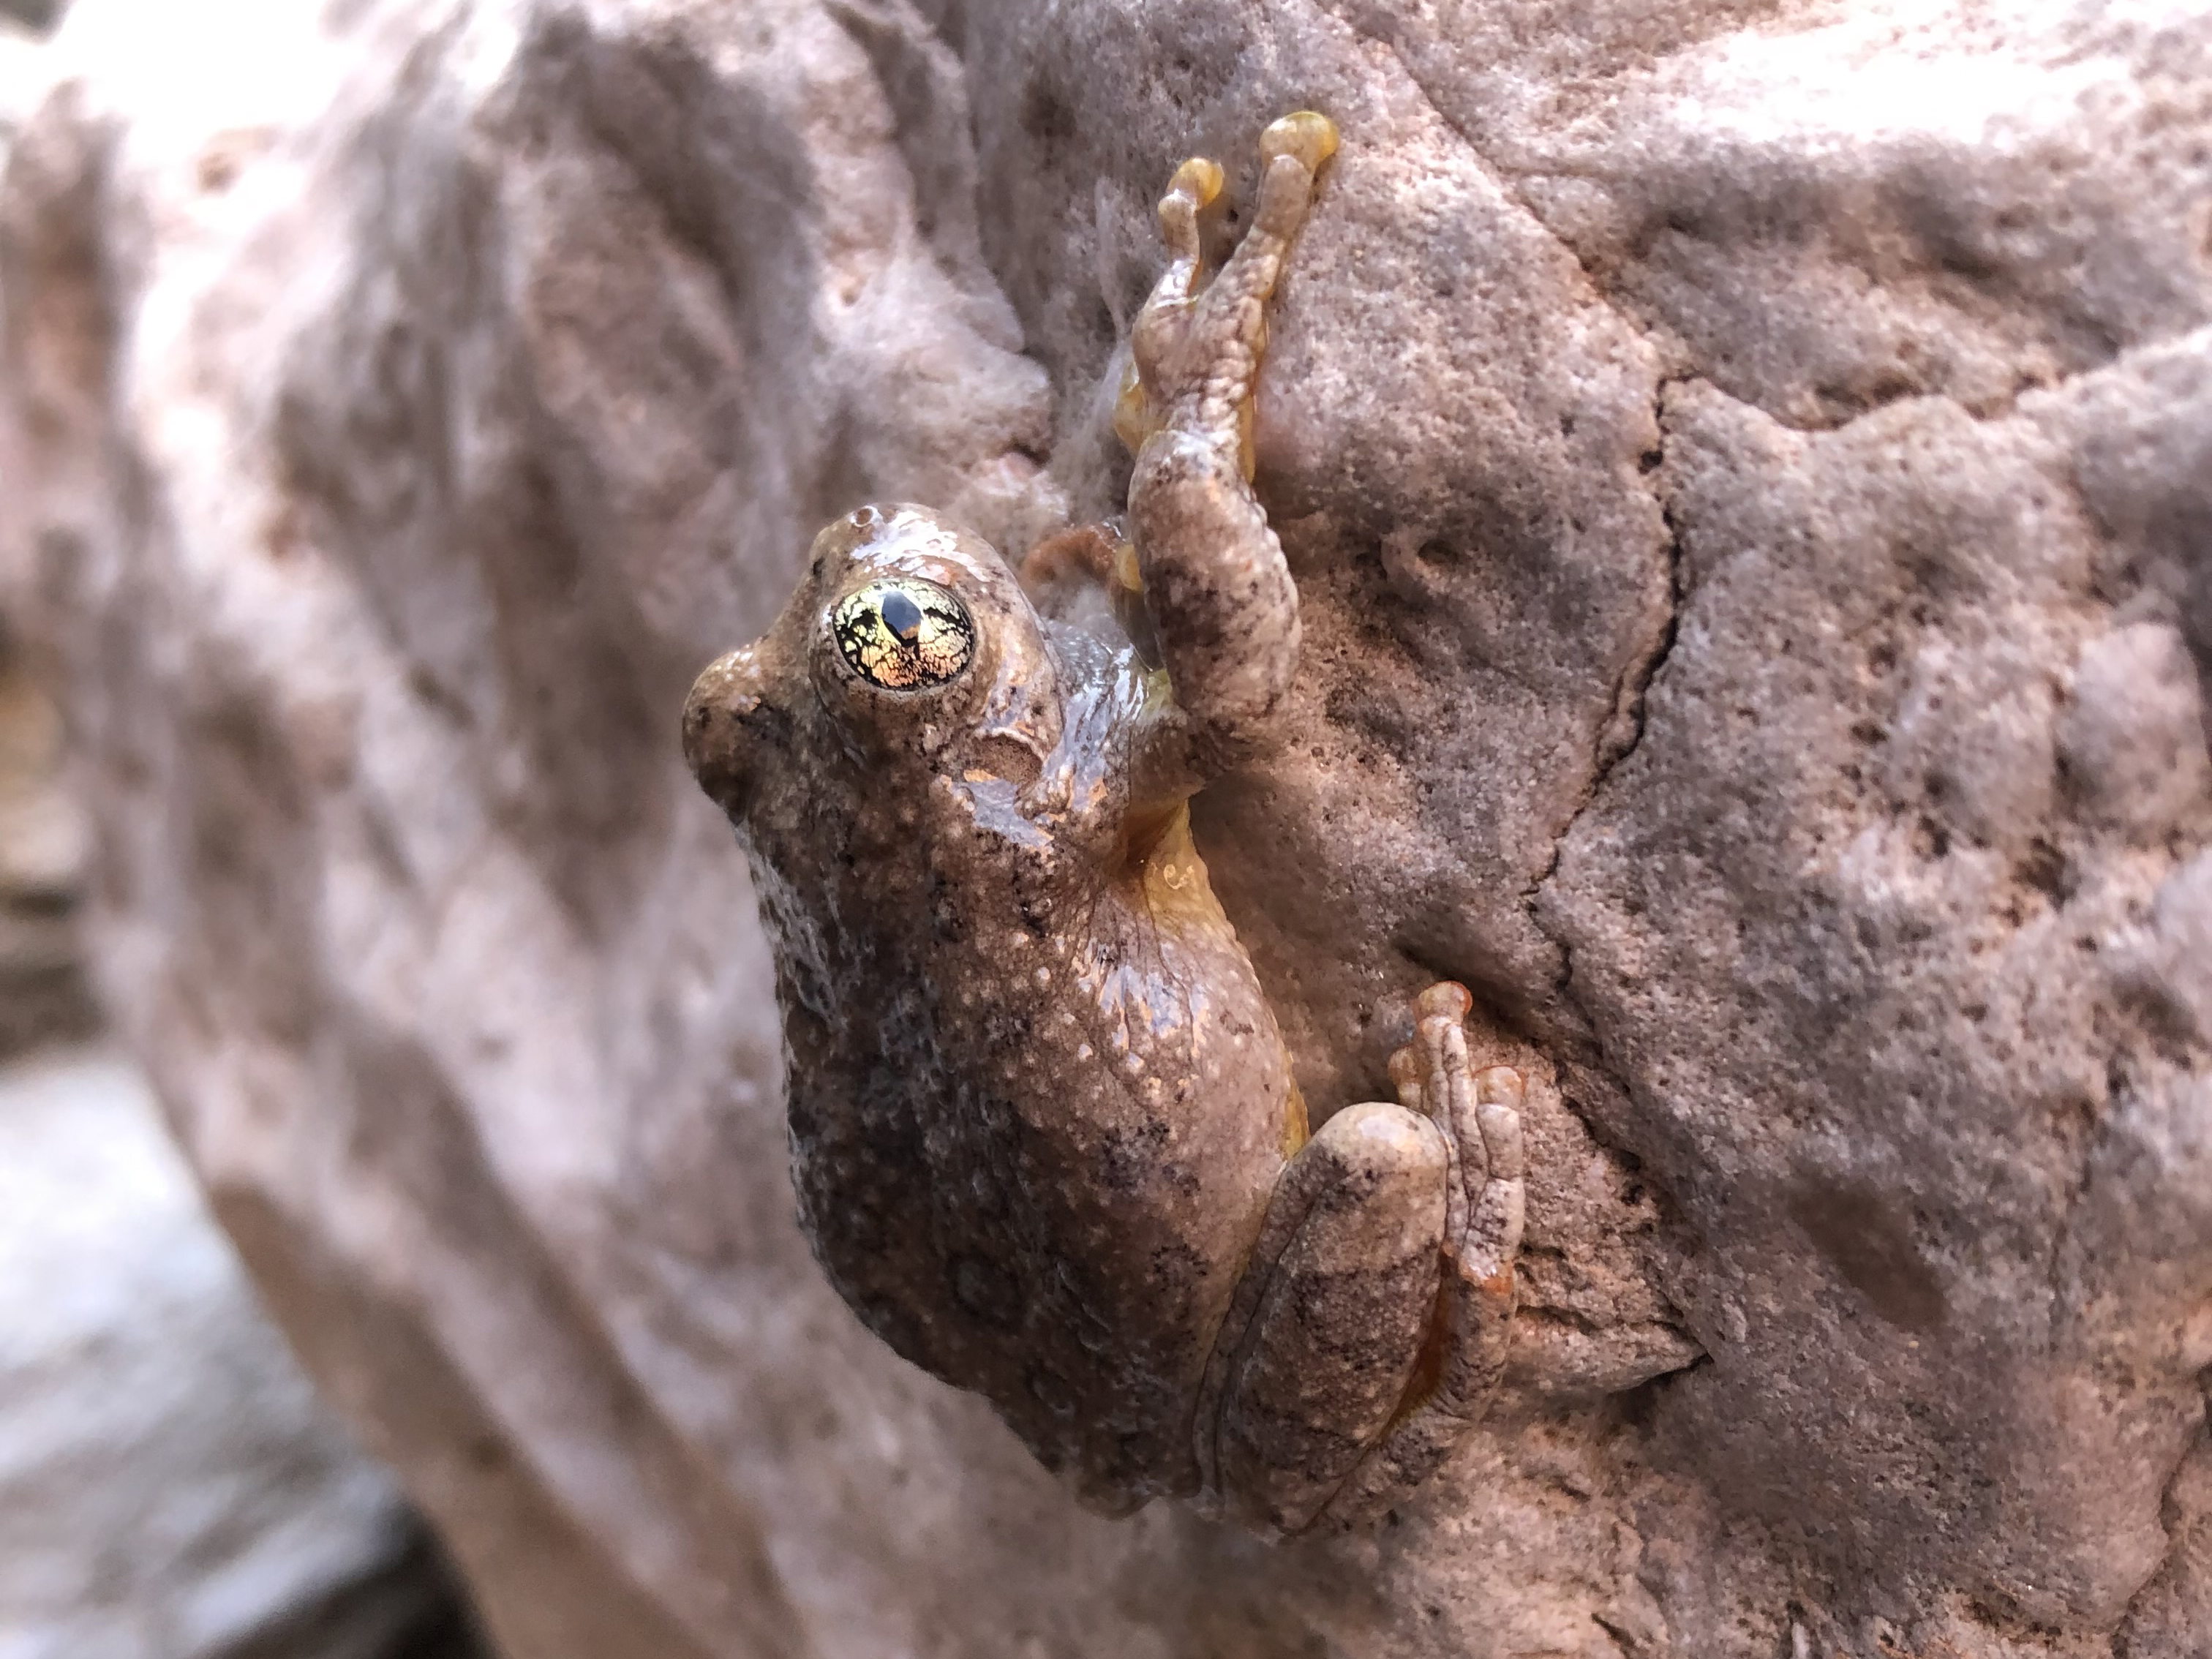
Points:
(1106, 691)
(1086, 655)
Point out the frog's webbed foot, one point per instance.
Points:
(1213, 578)
(1485, 1198)
(1373, 1320)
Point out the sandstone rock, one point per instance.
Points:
(1746, 472)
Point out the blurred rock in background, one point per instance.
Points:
(170, 1488)
(32, 13)
(42, 995)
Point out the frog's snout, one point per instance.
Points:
(718, 715)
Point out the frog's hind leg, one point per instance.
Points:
(1479, 1114)
(1328, 1325)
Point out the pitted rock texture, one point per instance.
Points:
(1748, 473)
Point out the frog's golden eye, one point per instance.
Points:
(903, 634)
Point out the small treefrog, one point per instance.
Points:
(1045, 1131)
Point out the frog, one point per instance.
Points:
(1046, 1136)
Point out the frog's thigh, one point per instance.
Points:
(1340, 1323)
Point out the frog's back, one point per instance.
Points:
(1037, 1164)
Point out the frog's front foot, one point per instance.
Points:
(1196, 346)
(1212, 575)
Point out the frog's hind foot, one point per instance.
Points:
(1064, 569)
(1486, 1196)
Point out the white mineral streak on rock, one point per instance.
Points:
(1747, 476)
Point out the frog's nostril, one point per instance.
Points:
(725, 700)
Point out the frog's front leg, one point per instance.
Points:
(1222, 603)
(1371, 1321)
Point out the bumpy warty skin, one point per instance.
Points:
(1034, 1122)
(1744, 472)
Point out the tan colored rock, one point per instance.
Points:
(1747, 478)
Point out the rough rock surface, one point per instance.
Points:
(1747, 468)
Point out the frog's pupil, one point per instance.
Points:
(902, 616)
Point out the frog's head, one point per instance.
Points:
(908, 645)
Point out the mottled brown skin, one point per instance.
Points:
(1043, 1128)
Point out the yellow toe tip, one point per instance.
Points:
(1307, 135)
(1447, 998)
(1198, 178)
